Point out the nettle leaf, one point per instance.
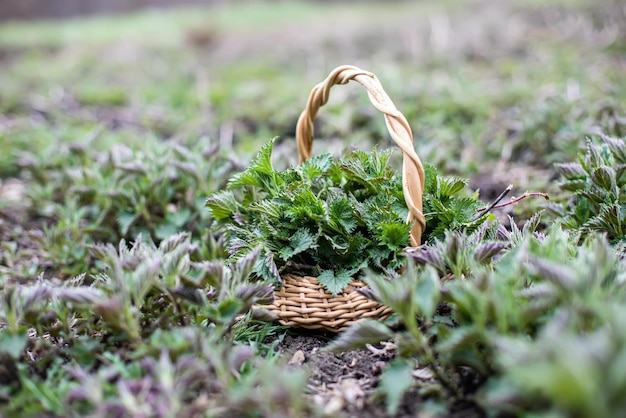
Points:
(396, 380)
(245, 265)
(571, 171)
(574, 185)
(451, 185)
(397, 294)
(302, 240)
(222, 205)
(608, 220)
(364, 168)
(465, 209)
(262, 163)
(266, 268)
(245, 178)
(427, 292)
(342, 215)
(617, 147)
(255, 293)
(394, 235)
(430, 179)
(267, 207)
(445, 209)
(485, 251)
(126, 220)
(600, 193)
(260, 173)
(335, 283)
(604, 177)
(316, 166)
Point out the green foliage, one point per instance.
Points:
(505, 317)
(444, 210)
(598, 181)
(122, 193)
(574, 373)
(86, 121)
(331, 217)
(168, 328)
(87, 196)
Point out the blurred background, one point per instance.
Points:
(496, 90)
(38, 9)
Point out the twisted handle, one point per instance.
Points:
(412, 168)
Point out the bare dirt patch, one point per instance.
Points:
(345, 384)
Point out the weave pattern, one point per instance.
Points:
(303, 302)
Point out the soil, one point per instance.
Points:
(345, 384)
(18, 230)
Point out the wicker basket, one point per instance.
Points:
(302, 301)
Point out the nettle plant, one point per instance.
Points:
(598, 180)
(123, 192)
(87, 196)
(331, 218)
(532, 328)
(155, 333)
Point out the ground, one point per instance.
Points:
(496, 91)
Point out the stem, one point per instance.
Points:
(429, 357)
(486, 209)
(442, 377)
(497, 205)
(514, 200)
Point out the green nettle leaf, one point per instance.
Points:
(263, 161)
(395, 382)
(335, 283)
(300, 241)
(598, 180)
(394, 235)
(427, 292)
(229, 308)
(604, 177)
(245, 178)
(341, 214)
(452, 185)
(13, 343)
(266, 268)
(316, 166)
(222, 205)
(126, 220)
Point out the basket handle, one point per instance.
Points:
(398, 126)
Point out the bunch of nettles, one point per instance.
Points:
(332, 218)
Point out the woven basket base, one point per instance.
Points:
(302, 302)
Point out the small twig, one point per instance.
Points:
(486, 209)
(497, 205)
(514, 200)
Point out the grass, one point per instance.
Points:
(115, 129)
